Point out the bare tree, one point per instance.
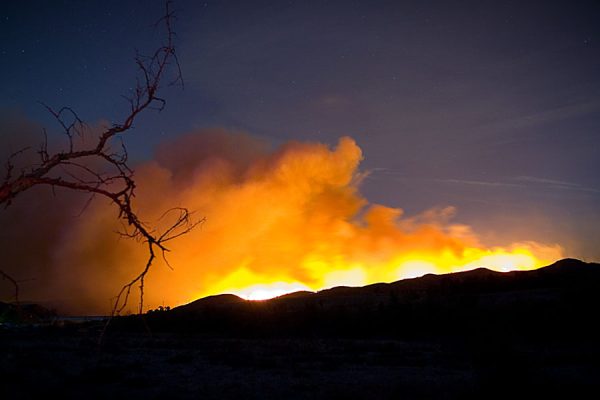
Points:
(101, 170)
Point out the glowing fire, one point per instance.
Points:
(403, 267)
(278, 221)
(269, 291)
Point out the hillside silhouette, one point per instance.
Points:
(557, 301)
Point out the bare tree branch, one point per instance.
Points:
(98, 170)
(14, 283)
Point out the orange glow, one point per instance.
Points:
(517, 258)
(281, 221)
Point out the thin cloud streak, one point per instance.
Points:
(524, 181)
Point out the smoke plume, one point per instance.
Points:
(276, 219)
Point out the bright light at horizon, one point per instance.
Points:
(416, 269)
(500, 260)
(268, 291)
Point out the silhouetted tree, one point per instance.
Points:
(100, 170)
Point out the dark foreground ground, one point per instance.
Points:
(471, 335)
(67, 363)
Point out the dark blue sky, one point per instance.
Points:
(493, 107)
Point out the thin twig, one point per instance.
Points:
(14, 282)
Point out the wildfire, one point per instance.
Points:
(519, 258)
(269, 291)
(280, 221)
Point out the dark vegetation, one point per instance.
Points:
(477, 334)
(15, 314)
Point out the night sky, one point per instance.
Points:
(492, 107)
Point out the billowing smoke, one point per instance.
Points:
(288, 218)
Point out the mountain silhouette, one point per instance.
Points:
(559, 300)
